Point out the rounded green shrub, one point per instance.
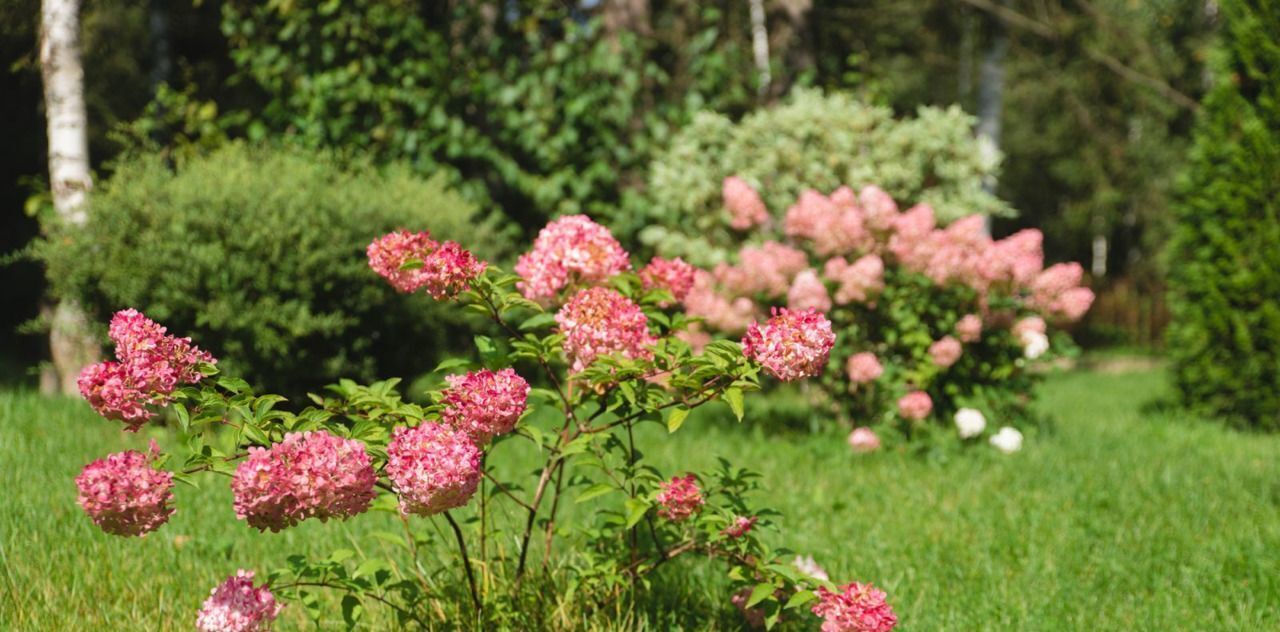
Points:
(1225, 256)
(259, 254)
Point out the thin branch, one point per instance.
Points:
(466, 561)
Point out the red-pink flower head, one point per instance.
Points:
(945, 351)
(445, 268)
(969, 328)
(740, 526)
(483, 404)
(915, 405)
(112, 392)
(863, 367)
(859, 282)
(679, 498)
(571, 249)
(125, 495)
(236, 605)
(672, 275)
(808, 292)
(792, 344)
(600, 321)
(307, 475)
(432, 468)
(857, 607)
(745, 207)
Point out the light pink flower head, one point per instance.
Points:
(859, 282)
(879, 206)
(307, 475)
(1016, 259)
(1057, 292)
(945, 351)
(740, 526)
(673, 275)
(969, 328)
(679, 498)
(236, 605)
(571, 249)
(125, 495)
(863, 367)
(484, 404)
(911, 231)
(857, 607)
(432, 468)
(915, 405)
(720, 312)
(443, 269)
(792, 344)
(807, 291)
(600, 321)
(746, 209)
(833, 224)
(765, 269)
(1030, 323)
(863, 440)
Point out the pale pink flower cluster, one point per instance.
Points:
(858, 282)
(307, 475)
(863, 440)
(969, 328)
(432, 468)
(125, 495)
(673, 275)
(1057, 292)
(743, 202)
(765, 269)
(236, 605)
(1034, 324)
(679, 498)
(720, 312)
(414, 261)
(571, 249)
(915, 405)
(599, 321)
(792, 344)
(483, 404)
(863, 367)
(808, 292)
(740, 526)
(945, 351)
(835, 224)
(149, 366)
(963, 253)
(857, 607)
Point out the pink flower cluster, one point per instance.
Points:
(915, 405)
(859, 281)
(600, 321)
(863, 367)
(679, 498)
(672, 275)
(1057, 292)
(125, 495)
(945, 351)
(571, 249)
(413, 261)
(740, 526)
(149, 366)
(808, 292)
(236, 605)
(307, 475)
(765, 269)
(746, 209)
(483, 404)
(858, 607)
(836, 225)
(731, 315)
(792, 344)
(432, 468)
(863, 440)
(969, 328)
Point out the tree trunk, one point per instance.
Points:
(760, 46)
(71, 344)
(991, 97)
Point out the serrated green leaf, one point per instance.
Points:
(799, 599)
(595, 491)
(451, 363)
(538, 321)
(733, 397)
(636, 509)
(676, 418)
(760, 593)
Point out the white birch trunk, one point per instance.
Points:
(760, 45)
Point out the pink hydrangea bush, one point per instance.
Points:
(856, 607)
(914, 305)
(591, 352)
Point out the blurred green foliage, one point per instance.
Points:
(258, 254)
(1225, 256)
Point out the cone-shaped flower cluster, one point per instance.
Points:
(307, 475)
(599, 321)
(915, 405)
(236, 605)
(571, 249)
(673, 275)
(679, 498)
(792, 344)
(745, 207)
(483, 404)
(432, 468)
(414, 261)
(863, 367)
(858, 607)
(125, 495)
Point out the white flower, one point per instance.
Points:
(1008, 440)
(970, 422)
(1034, 344)
(809, 567)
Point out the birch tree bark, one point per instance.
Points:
(991, 99)
(760, 45)
(70, 343)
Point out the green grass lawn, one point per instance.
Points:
(1120, 518)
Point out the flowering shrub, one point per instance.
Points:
(603, 357)
(928, 320)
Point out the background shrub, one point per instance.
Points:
(810, 141)
(1225, 263)
(259, 254)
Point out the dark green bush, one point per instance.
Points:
(1225, 263)
(259, 255)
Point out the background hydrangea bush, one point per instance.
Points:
(932, 322)
(603, 357)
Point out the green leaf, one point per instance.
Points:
(760, 593)
(734, 398)
(538, 321)
(676, 418)
(451, 363)
(184, 417)
(799, 599)
(352, 610)
(595, 491)
(636, 509)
